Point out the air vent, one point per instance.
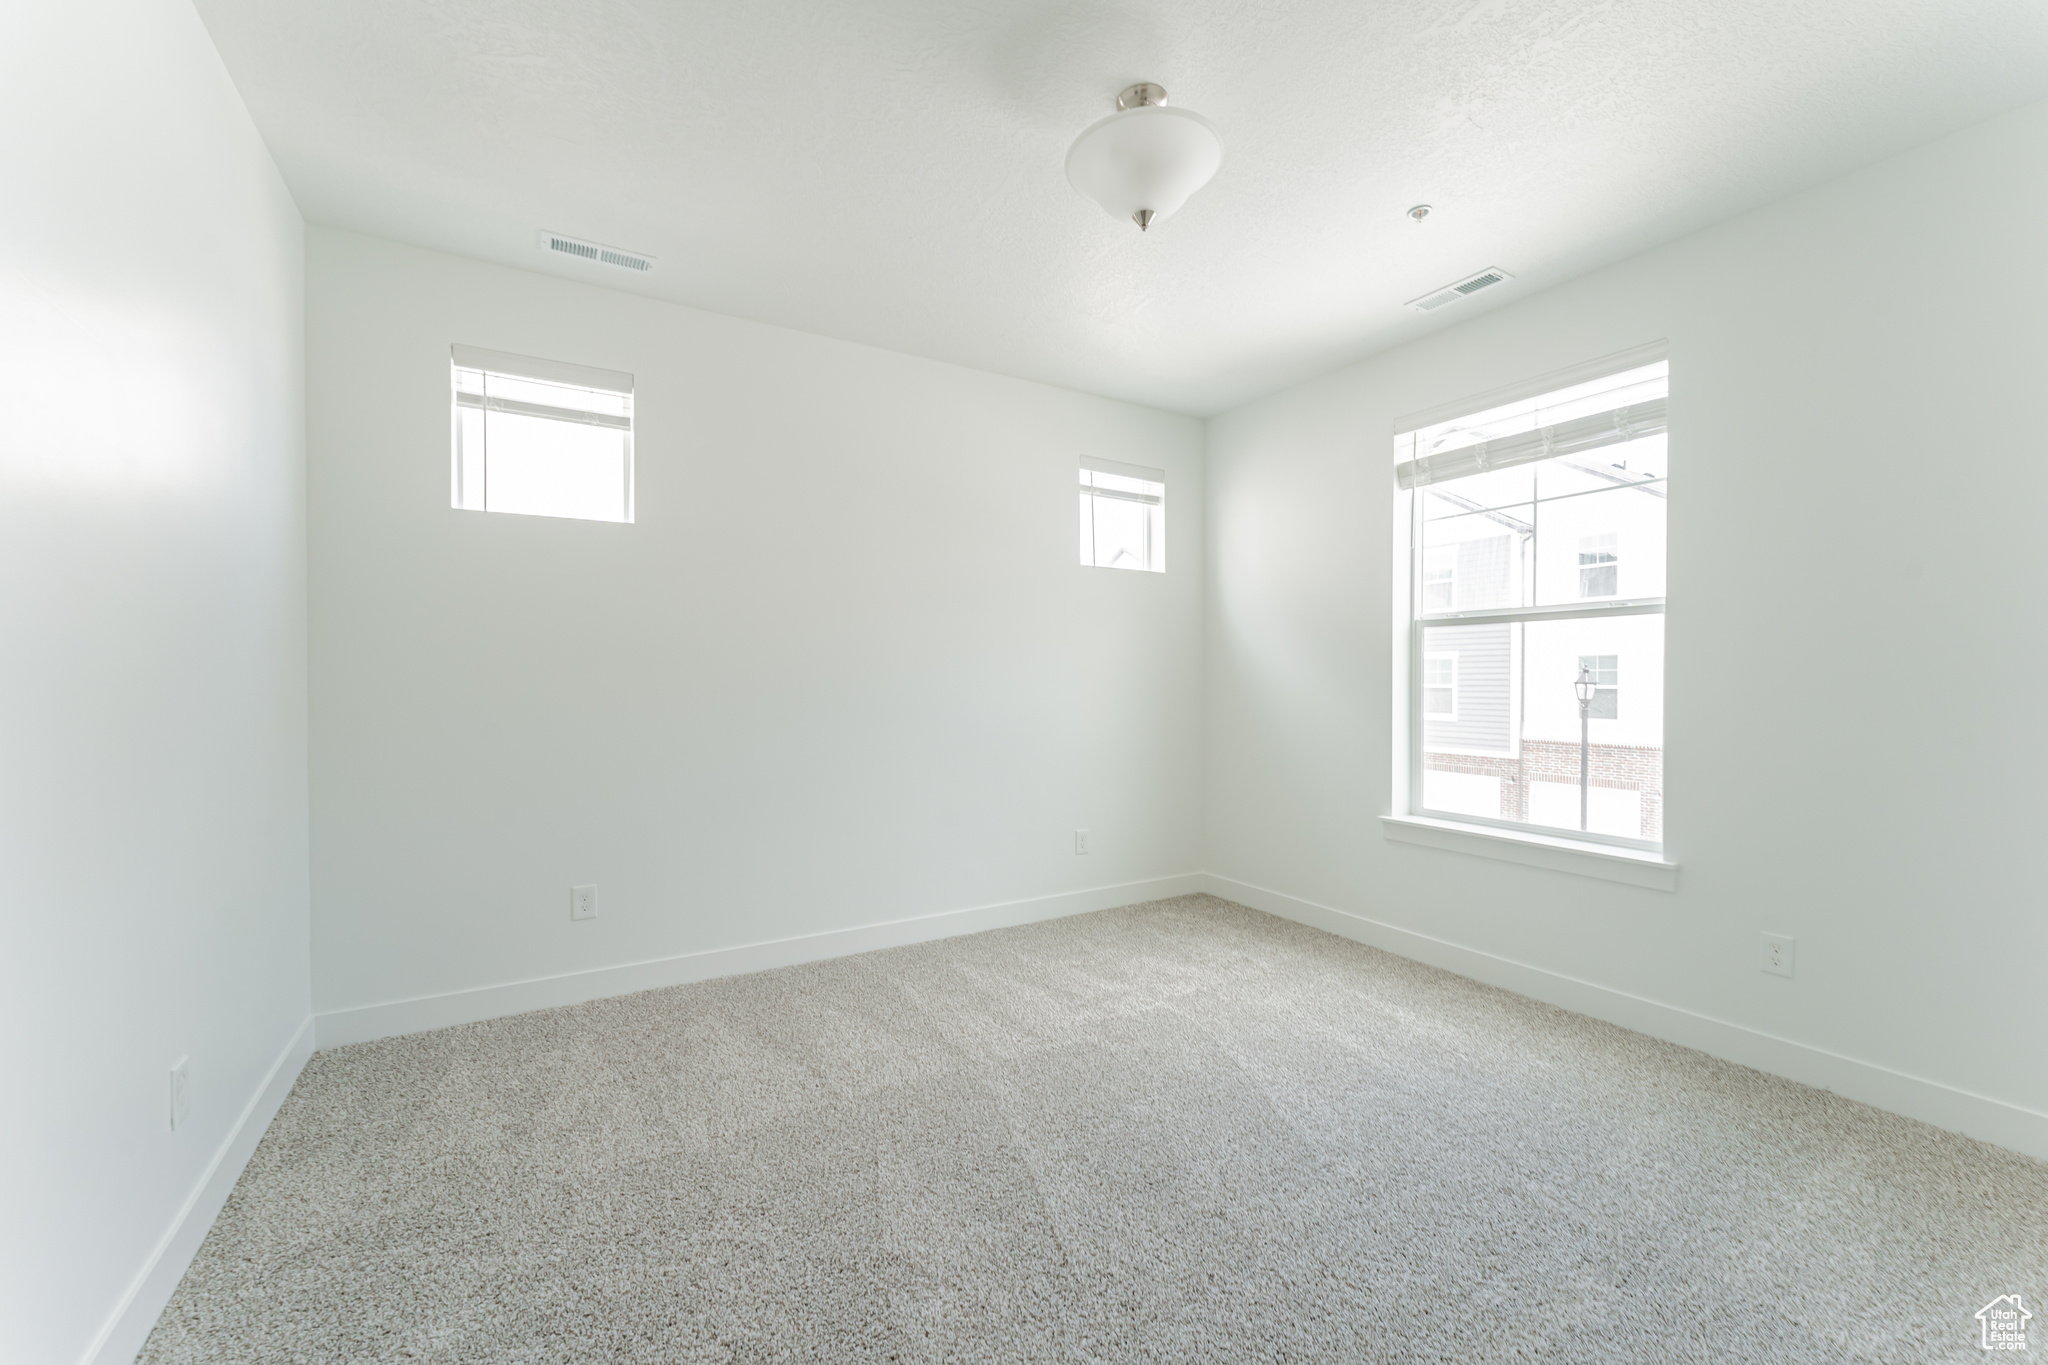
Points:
(592, 251)
(1451, 293)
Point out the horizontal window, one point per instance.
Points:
(540, 437)
(1123, 516)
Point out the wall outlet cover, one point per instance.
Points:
(1776, 955)
(181, 1093)
(582, 902)
(1080, 841)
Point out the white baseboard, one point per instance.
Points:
(1944, 1106)
(336, 1028)
(127, 1327)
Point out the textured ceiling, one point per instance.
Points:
(891, 171)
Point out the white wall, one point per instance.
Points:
(1856, 652)
(152, 753)
(843, 669)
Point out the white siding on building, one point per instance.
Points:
(1485, 721)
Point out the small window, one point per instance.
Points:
(540, 437)
(1599, 566)
(1123, 516)
(1440, 686)
(1606, 687)
(1439, 577)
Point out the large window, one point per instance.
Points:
(541, 437)
(1536, 530)
(1123, 516)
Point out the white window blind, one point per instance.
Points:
(1574, 421)
(540, 437)
(1123, 515)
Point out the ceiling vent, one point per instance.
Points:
(1451, 293)
(593, 251)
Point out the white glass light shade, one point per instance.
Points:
(1145, 160)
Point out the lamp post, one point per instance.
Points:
(1584, 687)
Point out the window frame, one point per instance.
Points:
(534, 369)
(1155, 503)
(1410, 717)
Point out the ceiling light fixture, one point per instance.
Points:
(1143, 161)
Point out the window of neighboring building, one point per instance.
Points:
(1440, 578)
(1440, 686)
(1599, 565)
(1604, 671)
(1516, 516)
(540, 437)
(1123, 516)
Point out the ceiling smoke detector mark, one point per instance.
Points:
(1451, 293)
(594, 251)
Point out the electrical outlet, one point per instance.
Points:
(582, 902)
(1777, 955)
(181, 1093)
(1080, 841)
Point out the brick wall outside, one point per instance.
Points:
(1627, 766)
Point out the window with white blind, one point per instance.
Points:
(1123, 516)
(540, 437)
(1536, 535)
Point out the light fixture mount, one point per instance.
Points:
(1143, 161)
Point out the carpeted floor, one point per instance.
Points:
(1181, 1131)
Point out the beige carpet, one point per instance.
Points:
(1182, 1131)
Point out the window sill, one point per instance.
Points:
(1626, 865)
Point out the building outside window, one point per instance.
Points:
(1599, 566)
(1605, 672)
(1440, 578)
(540, 437)
(1123, 516)
(1440, 686)
(1517, 518)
